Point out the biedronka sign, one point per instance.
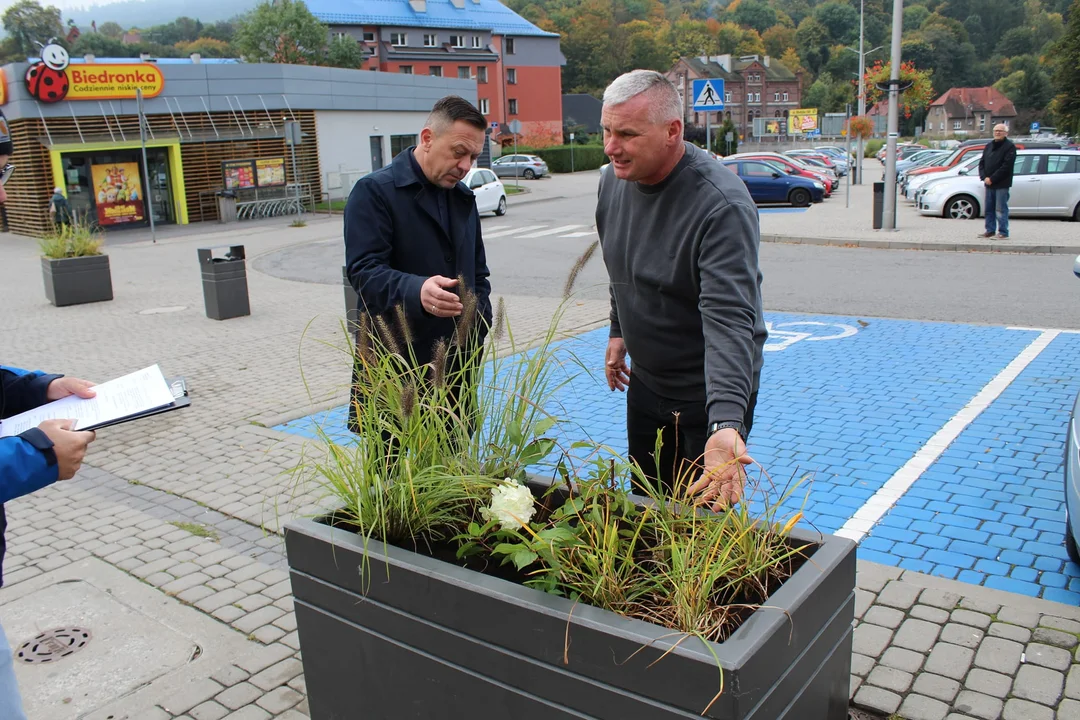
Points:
(53, 79)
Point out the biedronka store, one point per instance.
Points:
(210, 126)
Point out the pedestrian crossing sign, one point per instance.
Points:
(708, 95)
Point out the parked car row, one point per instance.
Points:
(1046, 182)
(795, 177)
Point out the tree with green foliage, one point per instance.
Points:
(28, 23)
(777, 39)
(282, 31)
(345, 52)
(111, 29)
(840, 19)
(754, 14)
(1027, 84)
(812, 42)
(1066, 105)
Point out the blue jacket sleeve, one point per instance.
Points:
(369, 231)
(27, 462)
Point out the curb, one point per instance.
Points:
(938, 246)
(518, 200)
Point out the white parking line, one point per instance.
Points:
(579, 234)
(864, 519)
(553, 231)
(511, 231)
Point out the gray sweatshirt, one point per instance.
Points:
(682, 258)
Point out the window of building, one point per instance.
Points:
(485, 106)
(785, 97)
(406, 69)
(457, 41)
(369, 36)
(435, 71)
(401, 142)
(510, 49)
(481, 74)
(340, 35)
(727, 96)
(399, 39)
(477, 41)
(955, 124)
(464, 72)
(982, 122)
(511, 76)
(513, 106)
(430, 40)
(776, 96)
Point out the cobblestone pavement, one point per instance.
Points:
(190, 502)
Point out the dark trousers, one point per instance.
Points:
(685, 429)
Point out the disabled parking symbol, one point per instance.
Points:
(784, 335)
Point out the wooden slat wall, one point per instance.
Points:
(229, 136)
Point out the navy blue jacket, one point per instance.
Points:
(27, 461)
(394, 242)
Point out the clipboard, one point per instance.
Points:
(181, 399)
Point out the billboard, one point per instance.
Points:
(118, 193)
(270, 171)
(802, 121)
(239, 174)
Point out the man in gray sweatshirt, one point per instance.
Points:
(680, 238)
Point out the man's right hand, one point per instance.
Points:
(615, 367)
(436, 298)
(69, 446)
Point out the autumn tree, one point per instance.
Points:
(282, 31)
(111, 30)
(206, 47)
(1066, 105)
(777, 39)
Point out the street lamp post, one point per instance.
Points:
(888, 222)
(862, 94)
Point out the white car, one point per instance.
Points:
(489, 190)
(920, 183)
(1046, 183)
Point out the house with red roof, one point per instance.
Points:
(969, 111)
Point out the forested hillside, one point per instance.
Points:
(965, 43)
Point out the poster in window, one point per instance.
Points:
(239, 174)
(118, 192)
(270, 171)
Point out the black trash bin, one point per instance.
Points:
(224, 281)
(879, 204)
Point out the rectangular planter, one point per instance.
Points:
(77, 280)
(401, 635)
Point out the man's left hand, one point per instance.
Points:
(724, 478)
(986, 182)
(62, 387)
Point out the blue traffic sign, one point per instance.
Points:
(1035, 127)
(708, 95)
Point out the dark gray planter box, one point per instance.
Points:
(403, 635)
(77, 280)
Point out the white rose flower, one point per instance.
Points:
(512, 505)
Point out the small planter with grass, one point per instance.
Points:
(448, 582)
(73, 267)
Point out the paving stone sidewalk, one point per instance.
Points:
(191, 502)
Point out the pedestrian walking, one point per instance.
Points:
(59, 209)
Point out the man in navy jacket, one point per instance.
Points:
(29, 461)
(412, 229)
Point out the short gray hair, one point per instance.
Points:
(667, 105)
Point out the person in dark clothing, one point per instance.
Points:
(59, 209)
(412, 234)
(996, 172)
(680, 239)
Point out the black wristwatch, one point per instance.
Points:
(716, 426)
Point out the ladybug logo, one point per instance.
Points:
(46, 79)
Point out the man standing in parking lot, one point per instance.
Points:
(680, 239)
(996, 172)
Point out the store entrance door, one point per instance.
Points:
(108, 190)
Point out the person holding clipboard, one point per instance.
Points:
(35, 458)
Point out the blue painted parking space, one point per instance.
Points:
(846, 402)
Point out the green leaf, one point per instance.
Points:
(513, 431)
(523, 558)
(536, 451)
(541, 427)
(474, 529)
(507, 548)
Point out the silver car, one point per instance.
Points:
(526, 166)
(1072, 471)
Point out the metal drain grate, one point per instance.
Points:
(857, 714)
(53, 645)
